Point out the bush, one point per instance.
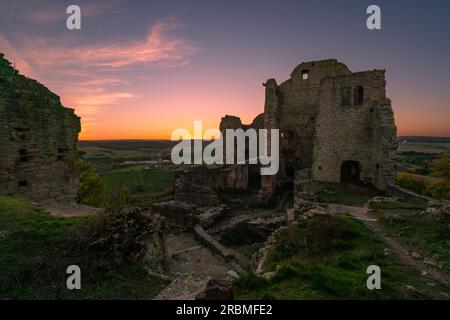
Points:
(250, 280)
(92, 189)
(317, 237)
(408, 182)
(440, 167)
(439, 190)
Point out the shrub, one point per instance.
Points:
(250, 280)
(438, 190)
(92, 188)
(317, 237)
(440, 167)
(409, 182)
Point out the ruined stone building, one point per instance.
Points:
(335, 125)
(38, 140)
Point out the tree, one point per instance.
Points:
(438, 190)
(441, 167)
(92, 189)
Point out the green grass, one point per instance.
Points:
(347, 194)
(35, 252)
(427, 234)
(327, 258)
(139, 181)
(398, 206)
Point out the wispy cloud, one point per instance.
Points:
(158, 49)
(91, 77)
(46, 14)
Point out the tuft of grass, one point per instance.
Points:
(398, 206)
(348, 193)
(139, 181)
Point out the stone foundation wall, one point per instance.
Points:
(197, 183)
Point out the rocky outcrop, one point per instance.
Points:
(176, 212)
(438, 206)
(130, 234)
(38, 140)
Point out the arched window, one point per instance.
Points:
(358, 96)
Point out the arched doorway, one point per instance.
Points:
(358, 97)
(350, 171)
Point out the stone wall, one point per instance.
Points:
(331, 121)
(349, 131)
(196, 184)
(38, 140)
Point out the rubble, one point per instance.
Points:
(176, 212)
(438, 206)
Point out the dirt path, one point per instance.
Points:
(69, 210)
(362, 214)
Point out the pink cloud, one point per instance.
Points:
(52, 13)
(90, 78)
(157, 50)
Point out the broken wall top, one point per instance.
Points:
(19, 90)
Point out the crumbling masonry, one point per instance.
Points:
(335, 125)
(38, 140)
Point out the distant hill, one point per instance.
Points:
(127, 144)
(424, 139)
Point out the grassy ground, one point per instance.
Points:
(34, 257)
(347, 194)
(153, 180)
(327, 258)
(425, 233)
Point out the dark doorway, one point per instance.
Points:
(350, 171)
(254, 177)
(358, 98)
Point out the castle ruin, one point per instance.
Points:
(38, 140)
(335, 125)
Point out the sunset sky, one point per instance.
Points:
(141, 69)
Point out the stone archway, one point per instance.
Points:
(350, 171)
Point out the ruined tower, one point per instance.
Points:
(38, 140)
(335, 125)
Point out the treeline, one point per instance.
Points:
(434, 188)
(424, 139)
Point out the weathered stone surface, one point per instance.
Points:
(438, 206)
(335, 123)
(212, 243)
(193, 186)
(185, 287)
(216, 290)
(38, 140)
(130, 233)
(176, 212)
(209, 216)
(260, 257)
